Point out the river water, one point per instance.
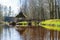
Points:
(9, 33)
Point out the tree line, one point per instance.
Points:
(41, 9)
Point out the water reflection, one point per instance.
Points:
(10, 33)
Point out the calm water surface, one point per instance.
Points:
(10, 33)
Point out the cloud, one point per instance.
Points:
(15, 5)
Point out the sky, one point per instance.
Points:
(15, 5)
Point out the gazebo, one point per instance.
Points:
(20, 16)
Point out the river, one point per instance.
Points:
(9, 33)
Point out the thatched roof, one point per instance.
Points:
(20, 15)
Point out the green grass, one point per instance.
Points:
(53, 24)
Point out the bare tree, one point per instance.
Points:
(1, 13)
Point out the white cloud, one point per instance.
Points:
(15, 4)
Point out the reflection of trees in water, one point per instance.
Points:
(10, 33)
(39, 33)
(1, 29)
